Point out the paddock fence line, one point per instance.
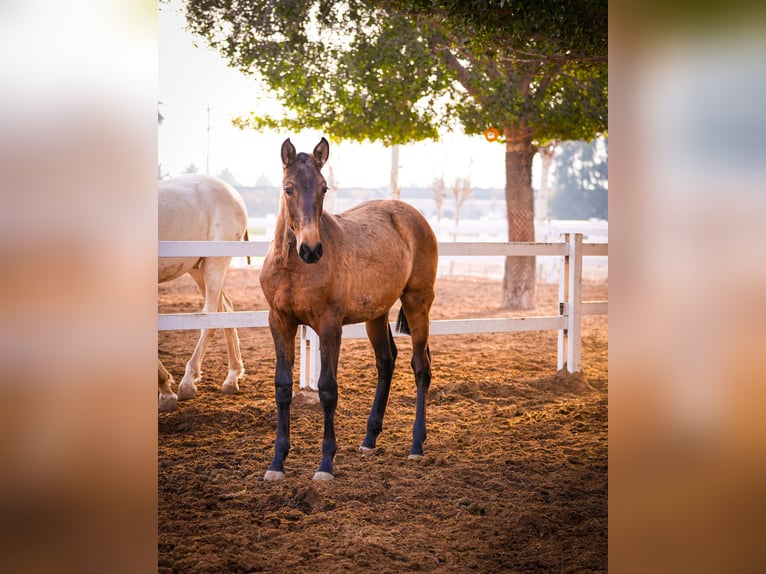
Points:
(568, 322)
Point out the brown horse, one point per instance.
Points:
(325, 271)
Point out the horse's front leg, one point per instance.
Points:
(329, 350)
(283, 333)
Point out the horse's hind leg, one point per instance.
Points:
(416, 308)
(209, 278)
(236, 368)
(382, 341)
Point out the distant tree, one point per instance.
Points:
(581, 181)
(160, 174)
(160, 117)
(393, 185)
(461, 190)
(440, 189)
(333, 183)
(547, 152)
(191, 168)
(228, 177)
(263, 181)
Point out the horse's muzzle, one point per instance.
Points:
(310, 254)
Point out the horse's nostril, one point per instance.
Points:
(309, 254)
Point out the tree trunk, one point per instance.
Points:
(519, 278)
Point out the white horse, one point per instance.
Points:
(200, 208)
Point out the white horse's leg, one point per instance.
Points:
(193, 373)
(236, 367)
(167, 398)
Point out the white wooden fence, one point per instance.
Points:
(567, 322)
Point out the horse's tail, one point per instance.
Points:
(401, 323)
(246, 238)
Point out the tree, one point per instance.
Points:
(439, 187)
(228, 177)
(191, 168)
(581, 176)
(393, 185)
(547, 152)
(263, 181)
(461, 190)
(395, 71)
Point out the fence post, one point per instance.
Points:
(310, 360)
(563, 334)
(574, 304)
(570, 305)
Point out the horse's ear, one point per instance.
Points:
(321, 152)
(288, 153)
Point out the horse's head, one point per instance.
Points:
(303, 190)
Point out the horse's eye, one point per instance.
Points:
(289, 191)
(324, 189)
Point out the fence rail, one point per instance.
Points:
(567, 322)
(447, 248)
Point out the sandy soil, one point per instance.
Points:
(514, 478)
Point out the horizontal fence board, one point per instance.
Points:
(235, 319)
(496, 325)
(502, 249)
(469, 326)
(212, 248)
(446, 248)
(595, 249)
(246, 319)
(595, 308)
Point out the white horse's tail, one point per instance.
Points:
(246, 238)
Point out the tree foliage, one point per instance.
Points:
(581, 182)
(396, 71)
(346, 68)
(227, 176)
(538, 65)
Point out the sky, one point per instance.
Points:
(193, 77)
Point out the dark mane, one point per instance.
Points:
(302, 157)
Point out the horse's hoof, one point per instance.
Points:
(321, 475)
(415, 457)
(367, 451)
(230, 388)
(274, 475)
(186, 391)
(167, 402)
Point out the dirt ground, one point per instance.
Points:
(514, 478)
